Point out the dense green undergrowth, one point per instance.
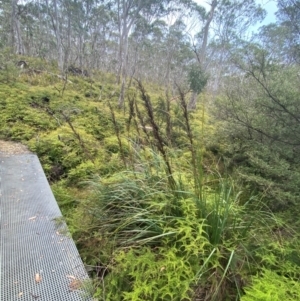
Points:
(145, 193)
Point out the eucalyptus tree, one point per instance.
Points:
(146, 44)
(16, 39)
(289, 15)
(27, 32)
(81, 26)
(178, 53)
(226, 21)
(102, 44)
(36, 32)
(69, 19)
(274, 38)
(6, 28)
(282, 38)
(128, 12)
(162, 52)
(221, 28)
(138, 49)
(55, 14)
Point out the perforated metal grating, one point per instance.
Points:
(38, 260)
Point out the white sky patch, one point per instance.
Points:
(271, 8)
(269, 5)
(204, 3)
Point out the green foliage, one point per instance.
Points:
(51, 153)
(267, 171)
(8, 71)
(81, 172)
(112, 145)
(163, 220)
(261, 126)
(146, 275)
(160, 244)
(63, 197)
(134, 213)
(197, 79)
(272, 287)
(272, 174)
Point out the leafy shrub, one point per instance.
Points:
(50, 151)
(81, 172)
(18, 132)
(112, 145)
(111, 165)
(9, 71)
(158, 244)
(167, 268)
(141, 274)
(272, 287)
(63, 197)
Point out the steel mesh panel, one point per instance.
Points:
(32, 241)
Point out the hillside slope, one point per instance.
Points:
(145, 191)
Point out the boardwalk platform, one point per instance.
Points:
(38, 260)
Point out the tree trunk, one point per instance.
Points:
(68, 48)
(56, 28)
(202, 56)
(16, 35)
(126, 18)
(193, 101)
(20, 45)
(123, 63)
(12, 25)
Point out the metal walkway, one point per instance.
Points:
(38, 260)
